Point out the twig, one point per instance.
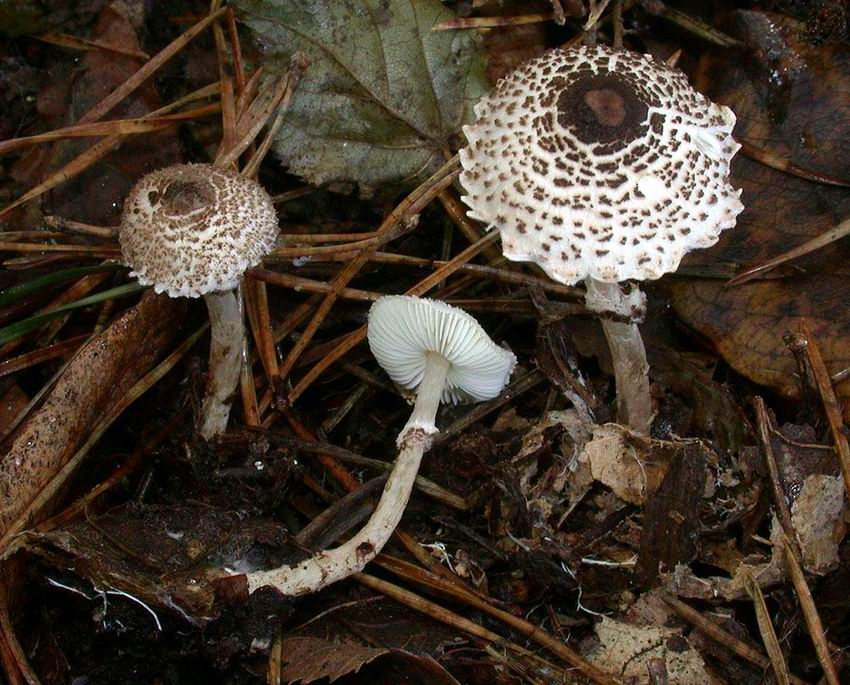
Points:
(768, 634)
(775, 161)
(783, 513)
(810, 612)
(355, 338)
(716, 633)
(831, 407)
(824, 239)
(443, 615)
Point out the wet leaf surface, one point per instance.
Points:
(383, 97)
(792, 98)
(100, 373)
(310, 659)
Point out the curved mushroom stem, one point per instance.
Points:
(628, 354)
(335, 564)
(225, 361)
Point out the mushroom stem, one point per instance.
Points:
(428, 396)
(628, 354)
(225, 361)
(335, 564)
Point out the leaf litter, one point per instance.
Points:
(713, 550)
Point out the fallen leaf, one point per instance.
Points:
(671, 520)
(383, 96)
(309, 659)
(789, 97)
(626, 648)
(155, 553)
(98, 375)
(817, 515)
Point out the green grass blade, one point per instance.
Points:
(22, 290)
(11, 332)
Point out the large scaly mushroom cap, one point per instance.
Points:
(192, 229)
(404, 330)
(602, 163)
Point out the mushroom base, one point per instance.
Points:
(351, 557)
(335, 564)
(628, 354)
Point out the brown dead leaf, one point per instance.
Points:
(626, 648)
(98, 375)
(672, 518)
(790, 97)
(817, 515)
(309, 659)
(155, 553)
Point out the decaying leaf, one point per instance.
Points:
(155, 554)
(817, 515)
(626, 649)
(309, 659)
(383, 95)
(94, 380)
(790, 98)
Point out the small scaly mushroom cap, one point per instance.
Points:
(601, 163)
(403, 330)
(193, 229)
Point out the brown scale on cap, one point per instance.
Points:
(193, 229)
(601, 163)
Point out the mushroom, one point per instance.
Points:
(603, 166)
(192, 230)
(444, 354)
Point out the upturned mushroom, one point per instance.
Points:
(602, 165)
(192, 230)
(443, 354)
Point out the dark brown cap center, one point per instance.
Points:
(607, 105)
(604, 108)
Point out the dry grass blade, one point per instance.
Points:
(64, 40)
(831, 406)
(425, 485)
(836, 233)
(42, 355)
(688, 23)
(16, 666)
(780, 163)
(768, 634)
(355, 338)
(256, 115)
(100, 150)
(810, 613)
(459, 23)
(148, 69)
(120, 127)
(780, 501)
(87, 250)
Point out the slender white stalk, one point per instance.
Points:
(428, 396)
(628, 354)
(225, 364)
(335, 564)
